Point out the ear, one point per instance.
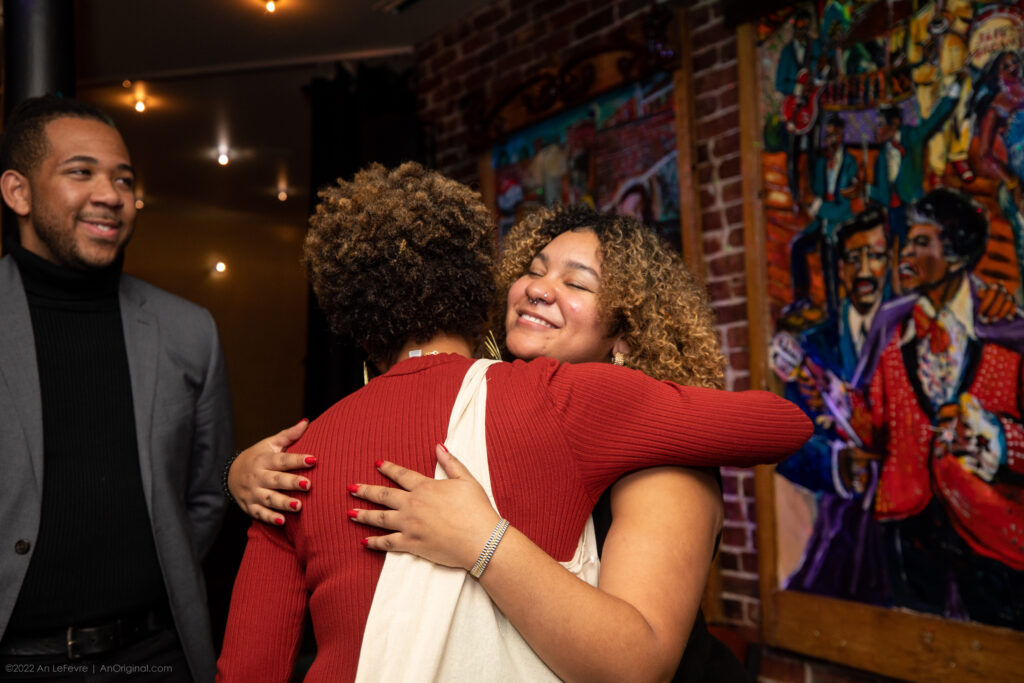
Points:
(16, 192)
(621, 345)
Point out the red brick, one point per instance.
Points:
(704, 172)
(514, 22)
(736, 237)
(489, 17)
(734, 510)
(708, 197)
(732, 191)
(712, 245)
(748, 487)
(595, 23)
(733, 610)
(542, 9)
(754, 612)
(725, 145)
(710, 221)
(749, 562)
(705, 106)
(717, 290)
(730, 313)
(719, 125)
(552, 44)
(730, 561)
(738, 337)
(735, 536)
(713, 79)
(740, 586)
(711, 33)
(568, 14)
(727, 51)
(740, 383)
(726, 265)
(699, 16)
(729, 168)
(734, 214)
(706, 59)
(730, 483)
(740, 361)
(441, 61)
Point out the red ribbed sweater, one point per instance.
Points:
(557, 436)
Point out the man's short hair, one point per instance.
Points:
(868, 219)
(961, 219)
(836, 121)
(891, 114)
(23, 143)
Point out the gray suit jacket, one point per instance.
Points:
(183, 420)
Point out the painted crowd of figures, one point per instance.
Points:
(899, 139)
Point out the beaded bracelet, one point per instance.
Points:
(224, 477)
(488, 552)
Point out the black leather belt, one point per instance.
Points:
(81, 641)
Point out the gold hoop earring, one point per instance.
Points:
(619, 358)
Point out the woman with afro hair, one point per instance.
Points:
(400, 261)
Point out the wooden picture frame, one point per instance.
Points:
(888, 641)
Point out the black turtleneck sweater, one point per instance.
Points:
(94, 558)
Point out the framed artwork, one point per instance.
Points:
(883, 154)
(616, 152)
(610, 128)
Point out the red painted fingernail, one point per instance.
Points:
(445, 449)
(353, 488)
(294, 505)
(279, 520)
(378, 463)
(303, 484)
(365, 541)
(353, 513)
(310, 460)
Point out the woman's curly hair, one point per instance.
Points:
(399, 255)
(646, 292)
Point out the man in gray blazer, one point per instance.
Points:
(115, 427)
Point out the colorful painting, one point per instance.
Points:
(892, 158)
(616, 152)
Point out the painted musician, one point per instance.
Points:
(942, 414)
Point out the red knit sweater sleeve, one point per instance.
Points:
(268, 605)
(618, 420)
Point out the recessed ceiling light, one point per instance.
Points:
(271, 6)
(282, 195)
(139, 203)
(223, 159)
(220, 267)
(140, 106)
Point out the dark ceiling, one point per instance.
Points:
(230, 75)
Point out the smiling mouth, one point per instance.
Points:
(534, 319)
(907, 270)
(865, 286)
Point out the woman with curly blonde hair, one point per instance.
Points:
(557, 434)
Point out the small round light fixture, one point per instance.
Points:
(126, 83)
(282, 196)
(139, 204)
(223, 159)
(140, 106)
(220, 266)
(271, 7)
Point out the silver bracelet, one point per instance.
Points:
(488, 552)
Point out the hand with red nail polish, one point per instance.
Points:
(444, 521)
(259, 478)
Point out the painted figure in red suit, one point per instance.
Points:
(942, 411)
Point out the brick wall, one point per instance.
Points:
(500, 45)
